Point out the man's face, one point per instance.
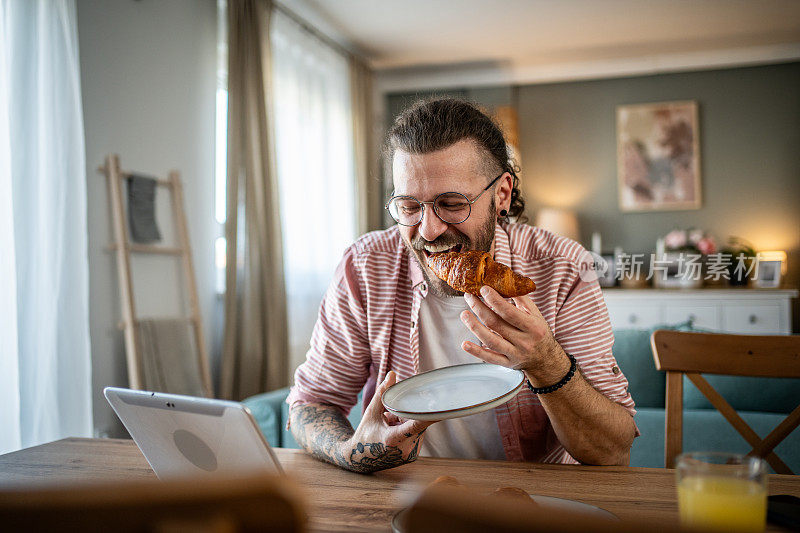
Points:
(457, 168)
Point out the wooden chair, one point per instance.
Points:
(206, 505)
(448, 508)
(678, 353)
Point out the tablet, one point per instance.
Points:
(184, 435)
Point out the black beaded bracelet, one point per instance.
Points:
(552, 388)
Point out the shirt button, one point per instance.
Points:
(424, 287)
(615, 369)
(413, 324)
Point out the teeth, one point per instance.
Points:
(439, 248)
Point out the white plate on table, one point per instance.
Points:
(453, 391)
(547, 502)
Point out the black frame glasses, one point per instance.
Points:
(393, 209)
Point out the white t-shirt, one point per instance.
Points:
(441, 333)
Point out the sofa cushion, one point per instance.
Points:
(635, 357)
(648, 448)
(266, 409)
(772, 395)
(707, 430)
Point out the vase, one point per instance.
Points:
(675, 274)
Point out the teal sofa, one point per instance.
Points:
(763, 403)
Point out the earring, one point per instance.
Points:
(503, 213)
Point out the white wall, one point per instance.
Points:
(148, 85)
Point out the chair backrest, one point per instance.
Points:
(230, 504)
(447, 508)
(678, 353)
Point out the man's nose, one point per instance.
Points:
(431, 226)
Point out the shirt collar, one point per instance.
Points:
(502, 246)
(502, 254)
(415, 270)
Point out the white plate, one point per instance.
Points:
(560, 504)
(453, 391)
(573, 506)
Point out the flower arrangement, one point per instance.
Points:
(691, 240)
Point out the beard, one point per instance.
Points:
(451, 238)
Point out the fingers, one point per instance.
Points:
(507, 311)
(375, 409)
(489, 316)
(411, 428)
(490, 356)
(524, 303)
(539, 328)
(391, 419)
(517, 322)
(488, 337)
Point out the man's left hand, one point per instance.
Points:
(514, 336)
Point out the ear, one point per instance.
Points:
(502, 193)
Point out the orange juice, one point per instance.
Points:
(722, 503)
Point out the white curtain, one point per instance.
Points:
(314, 157)
(45, 365)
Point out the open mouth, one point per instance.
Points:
(430, 250)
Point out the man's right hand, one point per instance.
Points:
(382, 440)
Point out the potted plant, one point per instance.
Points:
(739, 275)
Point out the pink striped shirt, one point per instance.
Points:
(368, 326)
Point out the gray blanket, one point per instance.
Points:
(169, 356)
(142, 209)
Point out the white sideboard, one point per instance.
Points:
(743, 311)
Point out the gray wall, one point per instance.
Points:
(148, 82)
(749, 144)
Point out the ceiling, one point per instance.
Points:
(530, 33)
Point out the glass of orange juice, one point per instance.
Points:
(722, 491)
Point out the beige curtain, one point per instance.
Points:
(365, 142)
(255, 345)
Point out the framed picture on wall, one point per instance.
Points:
(506, 117)
(658, 156)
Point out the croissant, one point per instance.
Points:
(469, 271)
(514, 492)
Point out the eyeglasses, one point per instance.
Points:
(450, 207)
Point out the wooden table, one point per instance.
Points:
(343, 501)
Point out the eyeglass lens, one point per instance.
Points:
(451, 207)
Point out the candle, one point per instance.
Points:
(596, 243)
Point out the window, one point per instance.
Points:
(221, 143)
(314, 159)
(315, 166)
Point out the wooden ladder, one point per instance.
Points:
(123, 249)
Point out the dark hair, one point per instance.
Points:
(434, 124)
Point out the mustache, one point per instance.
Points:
(418, 243)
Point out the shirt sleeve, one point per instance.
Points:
(337, 363)
(583, 330)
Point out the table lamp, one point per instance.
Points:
(560, 221)
(771, 268)
(774, 255)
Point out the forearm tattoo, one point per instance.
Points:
(322, 429)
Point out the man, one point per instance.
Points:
(386, 317)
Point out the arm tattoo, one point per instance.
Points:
(321, 430)
(373, 456)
